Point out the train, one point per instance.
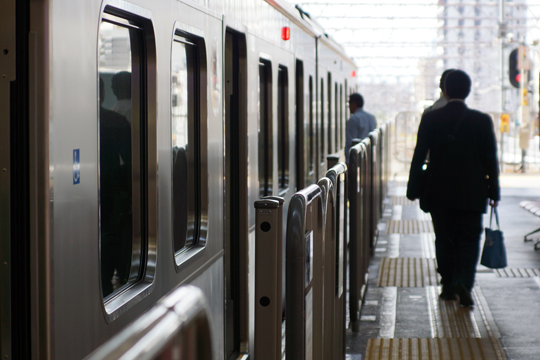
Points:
(135, 138)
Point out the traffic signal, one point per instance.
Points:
(513, 71)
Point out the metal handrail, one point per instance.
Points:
(358, 240)
(329, 265)
(171, 325)
(374, 186)
(304, 241)
(338, 176)
(268, 277)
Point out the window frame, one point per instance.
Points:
(144, 163)
(330, 123)
(311, 133)
(186, 256)
(266, 151)
(283, 130)
(337, 119)
(342, 119)
(321, 138)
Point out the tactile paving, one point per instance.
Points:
(408, 272)
(449, 320)
(517, 273)
(402, 200)
(435, 349)
(409, 226)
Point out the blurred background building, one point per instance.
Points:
(402, 48)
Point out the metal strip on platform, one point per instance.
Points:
(402, 200)
(409, 227)
(408, 272)
(435, 349)
(399, 183)
(517, 273)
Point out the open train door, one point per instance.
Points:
(17, 198)
(236, 196)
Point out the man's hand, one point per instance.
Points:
(493, 203)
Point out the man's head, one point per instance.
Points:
(443, 78)
(356, 101)
(121, 85)
(457, 85)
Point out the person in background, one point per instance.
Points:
(464, 176)
(360, 124)
(121, 87)
(442, 101)
(115, 192)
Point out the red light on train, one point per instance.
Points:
(285, 33)
(353, 74)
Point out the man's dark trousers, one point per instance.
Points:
(457, 245)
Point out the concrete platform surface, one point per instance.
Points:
(507, 303)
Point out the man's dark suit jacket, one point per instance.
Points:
(464, 170)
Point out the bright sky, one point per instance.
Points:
(391, 39)
(390, 35)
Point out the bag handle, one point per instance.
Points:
(494, 210)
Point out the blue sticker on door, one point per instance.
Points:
(76, 167)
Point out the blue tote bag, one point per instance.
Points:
(494, 252)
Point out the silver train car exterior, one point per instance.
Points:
(135, 137)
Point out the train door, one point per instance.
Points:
(321, 125)
(329, 116)
(236, 196)
(305, 125)
(301, 133)
(15, 161)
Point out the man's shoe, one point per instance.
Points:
(464, 294)
(448, 293)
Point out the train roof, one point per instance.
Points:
(309, 25)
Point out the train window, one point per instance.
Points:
(329, 109)
(302, 136)
(283, 130)
(321, 139)
(337, 120)
(185, 144)
(341, 117)
(265, 128)
(311, 133)
(121, 172)
(188, 147)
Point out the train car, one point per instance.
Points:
(135, 137)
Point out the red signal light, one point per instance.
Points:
(285, 33)
(518, 78)
(353, 74)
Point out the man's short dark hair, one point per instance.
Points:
(458, 85)
(357, 99)
(443, 78)
(121, 85)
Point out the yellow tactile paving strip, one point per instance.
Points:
(408, 272)
(409, 226)
(457, 333)
(449, 320)
(435, 349)
(402, 200)
(517, 273)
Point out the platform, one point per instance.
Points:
(402, 316)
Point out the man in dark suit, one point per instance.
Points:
(464, 174)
